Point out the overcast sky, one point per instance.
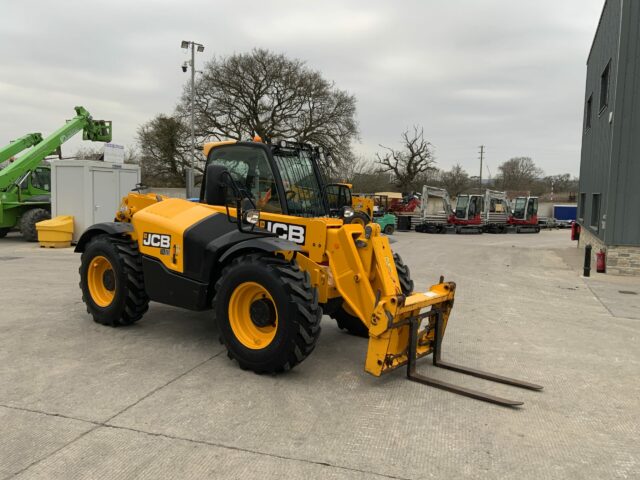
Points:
(506, 74)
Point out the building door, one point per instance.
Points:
(105, 195)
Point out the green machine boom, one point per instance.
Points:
(22, 143)
(25, 197)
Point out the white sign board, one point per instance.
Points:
(113, 153)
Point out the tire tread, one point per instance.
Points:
(301, 293)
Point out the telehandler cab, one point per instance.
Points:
(261, 250)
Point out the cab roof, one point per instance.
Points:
(211, 145)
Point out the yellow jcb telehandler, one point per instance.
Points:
(261, 250)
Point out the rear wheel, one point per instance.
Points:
(112, 281)
(389, 229)
(4, 231)
(267, 313)
(28, 222)
(351, 323)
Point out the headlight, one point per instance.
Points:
(347, 212)
(251, 216)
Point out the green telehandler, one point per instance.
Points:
(17, 146)
(25, 184)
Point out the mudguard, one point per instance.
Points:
(265, 244)
(110, 228)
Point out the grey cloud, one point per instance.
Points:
(506, 74)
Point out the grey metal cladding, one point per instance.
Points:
(624, 186)
(610, 158)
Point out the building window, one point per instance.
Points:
(583, 200)
(595, 211)
(604, 87)
(587, 113)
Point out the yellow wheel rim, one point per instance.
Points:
(101, 280)
(253, 315)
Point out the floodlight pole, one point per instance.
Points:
(186, 45)
(193, 81)
(481, 159)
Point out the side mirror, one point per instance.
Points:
(215, 185)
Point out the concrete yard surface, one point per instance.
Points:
(160, 399)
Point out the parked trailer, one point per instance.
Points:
(435, 210)
(565, 214)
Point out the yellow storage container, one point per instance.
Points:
(55, 233)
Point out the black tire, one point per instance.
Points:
(352, 324)
(295, 302)
(404, 274)
(4, 232)
(28, 222)
(389, 229)
(360, 218)
(130, 301)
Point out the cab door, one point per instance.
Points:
(250, 169)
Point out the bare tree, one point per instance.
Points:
(89, 153)
(519, 173)
(455, 181)
(563, 183)
(164, 151)
(273, 96)
(97, 153)
(352, 169)
(409, 164)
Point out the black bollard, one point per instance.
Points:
(587, 260)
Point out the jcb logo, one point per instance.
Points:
(157, 240)
(293, 233)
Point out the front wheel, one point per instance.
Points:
(112, 282)
(4, 231)
(267, 312)
(389, 229)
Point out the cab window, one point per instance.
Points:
(40, 179)
(300, 182)
(338, 196)
(250, 169)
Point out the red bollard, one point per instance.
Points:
(601, 263)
